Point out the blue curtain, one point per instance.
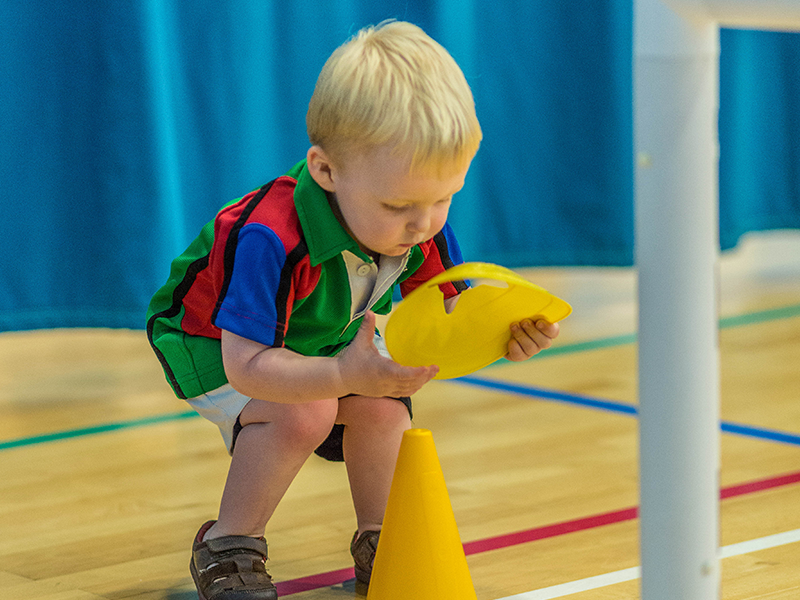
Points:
(125, 125)
(759, 131)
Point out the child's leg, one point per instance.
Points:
(275, 441)
(373, 431)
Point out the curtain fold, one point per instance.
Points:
(124, 126)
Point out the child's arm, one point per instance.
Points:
(529, 338)
(450, 303)
(280, 375)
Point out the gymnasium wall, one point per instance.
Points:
(125, 125)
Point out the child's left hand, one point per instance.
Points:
(529, 338)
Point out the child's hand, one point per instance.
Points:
(365, 372)
(529, 338)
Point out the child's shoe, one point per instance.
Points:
(231, 567)
(363, 550)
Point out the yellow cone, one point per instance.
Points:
(419, 555)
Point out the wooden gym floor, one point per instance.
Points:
(106, 476)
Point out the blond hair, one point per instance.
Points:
(392, 84)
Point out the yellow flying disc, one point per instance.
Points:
(420, 332)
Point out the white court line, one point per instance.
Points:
(592, 583)
(582, 585)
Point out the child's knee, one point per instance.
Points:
(387, 413)
(303, 426)
(308, 425)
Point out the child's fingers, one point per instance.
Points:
(515, 351)
(550, 330)
(416, 374)
(408, 380)
(366, 332)
(528, 338)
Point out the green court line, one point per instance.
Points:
(762, 316)
(598, 344)
(106, 427)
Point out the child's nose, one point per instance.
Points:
(420, 223)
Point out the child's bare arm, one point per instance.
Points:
(276, 374)
(450, 303)
(280, 375)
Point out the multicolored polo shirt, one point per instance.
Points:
(276, 266)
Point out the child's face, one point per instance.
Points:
(387, 209)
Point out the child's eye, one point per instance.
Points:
(395, 207)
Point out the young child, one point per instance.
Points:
(266, 325)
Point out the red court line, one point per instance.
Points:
(759, 486)
(331, 578)
(314, 582)
(548, 531)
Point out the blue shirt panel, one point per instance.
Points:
(250, 305)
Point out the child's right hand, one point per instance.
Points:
(365, 372)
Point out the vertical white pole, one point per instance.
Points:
(676, 101)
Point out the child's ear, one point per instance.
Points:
(321, 168)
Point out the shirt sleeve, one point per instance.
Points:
(252, 303)
(441, 252)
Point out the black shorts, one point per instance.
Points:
(331, 448)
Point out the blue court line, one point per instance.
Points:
(619, 407)
(537, 392)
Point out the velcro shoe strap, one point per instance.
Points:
(237, 542)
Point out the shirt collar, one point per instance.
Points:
(325, 236)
